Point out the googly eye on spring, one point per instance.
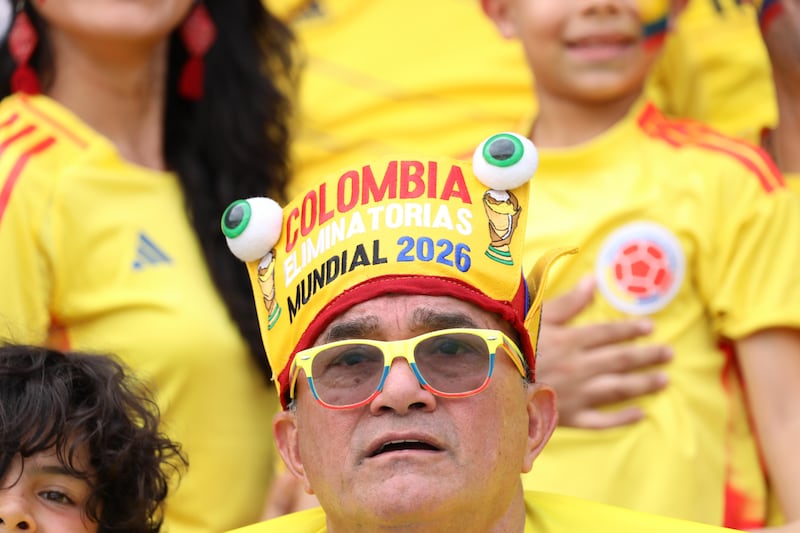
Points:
(252, 227)
(505, 161)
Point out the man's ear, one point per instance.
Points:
(499, 12)
(542, 420)
(284, 427)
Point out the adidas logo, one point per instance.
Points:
(148, 254)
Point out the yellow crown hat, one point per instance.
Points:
(419, 225)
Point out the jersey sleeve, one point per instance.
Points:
(725, 81)
(793, 183)
(749, 271)
(25, 249)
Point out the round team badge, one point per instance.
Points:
(640, 268)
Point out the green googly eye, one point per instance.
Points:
(252, 227)
(503, 150)
(505, 161)
(236, 218)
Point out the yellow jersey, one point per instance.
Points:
(99, 255)
(690, 228)
(544, 513)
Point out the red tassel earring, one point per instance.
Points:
(198, 33)
(22, 40)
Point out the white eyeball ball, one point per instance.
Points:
(252, 227)
(505, 161)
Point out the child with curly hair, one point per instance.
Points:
(80, 446)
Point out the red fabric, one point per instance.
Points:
(512, 312)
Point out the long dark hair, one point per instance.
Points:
(68, 402)
(232, 144)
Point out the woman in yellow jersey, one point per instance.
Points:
(125, 127)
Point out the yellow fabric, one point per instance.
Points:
(399, 76)
(545, 513)
(416, 76)
(98, 254)
(391, 225)
(793, 182)
(715, 69)
(717, 207)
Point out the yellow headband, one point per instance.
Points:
(428, 226)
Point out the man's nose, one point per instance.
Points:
(402, 391)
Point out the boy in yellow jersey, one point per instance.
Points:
(405, 356)
(688, 228)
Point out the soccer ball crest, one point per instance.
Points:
(640, 268)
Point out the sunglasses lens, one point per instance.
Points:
(453, 363)
(347, 374)
(450, 363)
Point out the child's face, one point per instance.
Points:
(588, 51)
(41, 496)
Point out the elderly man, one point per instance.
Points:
(402, 336)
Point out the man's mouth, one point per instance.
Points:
(403, 445)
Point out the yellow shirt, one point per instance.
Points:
(690, 228)
(544, 513)
(99, 255)
(399, 76)
(420, 76)
(715, 68)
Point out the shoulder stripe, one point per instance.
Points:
(769, 180)
(9, 121)
(680, 133)
(16, 170)
(24, 132)
(55, 124)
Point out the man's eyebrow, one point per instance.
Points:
(360, 328)
(424, 319)
(429, 319)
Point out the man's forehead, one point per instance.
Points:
(379, 318)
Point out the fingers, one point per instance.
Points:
(557, 340)
(607, 333)
(606, 390)
(564, 308)
(615, 388)
(623, 359)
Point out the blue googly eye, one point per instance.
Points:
(505, 161)
(252, 227)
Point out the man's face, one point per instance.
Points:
(409, 455)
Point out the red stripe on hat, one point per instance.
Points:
(512, 312)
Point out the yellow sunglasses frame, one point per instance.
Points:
(404, 349)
